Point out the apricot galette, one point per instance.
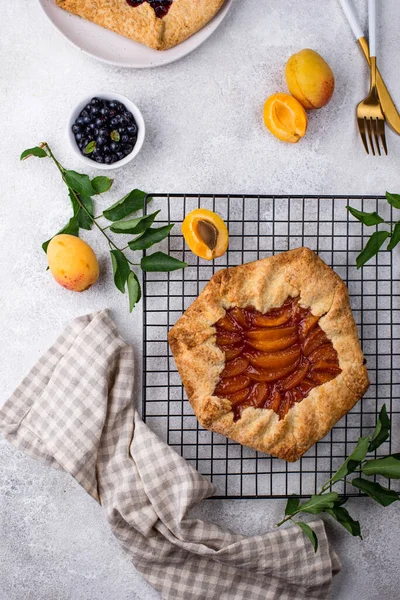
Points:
(269, 353)
(160, 24)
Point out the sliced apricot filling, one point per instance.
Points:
(273, 360)
(205, 233)
(285, 118)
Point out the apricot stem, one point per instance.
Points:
(81, 205)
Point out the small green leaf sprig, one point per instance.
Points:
(378, 238)
(331, 503)
(81, 190)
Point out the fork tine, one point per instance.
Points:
(368, 124)
(381, 130)
(374, 127)
(361, 128)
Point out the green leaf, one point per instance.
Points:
(310, 533)
(353, 461)
(393, 199)
(150, 237)
(292, 505)
(115, 135)
(382, 430)
(134, 290)
(36, 151)
(85, 219)
(343, 517)
(90, 147)
(79, 183)
(71, 228)
(374, 490)
(388, 467)
(129, 204)
(366, 218)
(319, 503)
(138, 225)
(161, 262)
(372, 247)
(101, 184)
(395, 237)
(121, 269)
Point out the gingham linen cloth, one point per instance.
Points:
(75, 411)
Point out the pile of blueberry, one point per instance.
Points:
(105, 131)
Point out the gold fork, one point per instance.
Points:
(370, 118)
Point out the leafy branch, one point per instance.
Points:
(379, 237)
(81, 190)
(331, 503)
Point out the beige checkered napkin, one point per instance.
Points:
(74, 411)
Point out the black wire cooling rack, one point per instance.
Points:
(260, 226)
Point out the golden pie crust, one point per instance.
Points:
(140, 23)
(265, 284)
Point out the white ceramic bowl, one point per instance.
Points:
(130, 106)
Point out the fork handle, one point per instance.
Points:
(372, 26)
(352, 18)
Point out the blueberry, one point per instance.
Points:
(79, 121)
(125, 138)
(95, 101)
(114, 146)
(128, 115)
(99, 158)
(119, 107)
(75, 128)
(86, 120)
(84, 113)
(122, 130)
(120, 155)
(114, 158)
(78, 136)
(104, 132)
(106, 149)
(87, 130)
(132, 129)
(83, 143)
(128, 148)
(112, 113)
(94, 111)
(114, 122)
(112, 104)
(105, 111)
(101, 140)
(133, 139)
(107, 159)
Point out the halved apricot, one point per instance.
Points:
(285, 118)
(205, 233)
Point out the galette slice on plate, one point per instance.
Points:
(269, 353)
(160, 24)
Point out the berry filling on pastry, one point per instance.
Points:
(273, 360)
(160, 7)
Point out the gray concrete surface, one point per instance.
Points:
(205, 134)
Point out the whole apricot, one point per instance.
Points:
(72, 262)
(285, 118)
(310, 79)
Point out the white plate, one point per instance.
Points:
(115, 49)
